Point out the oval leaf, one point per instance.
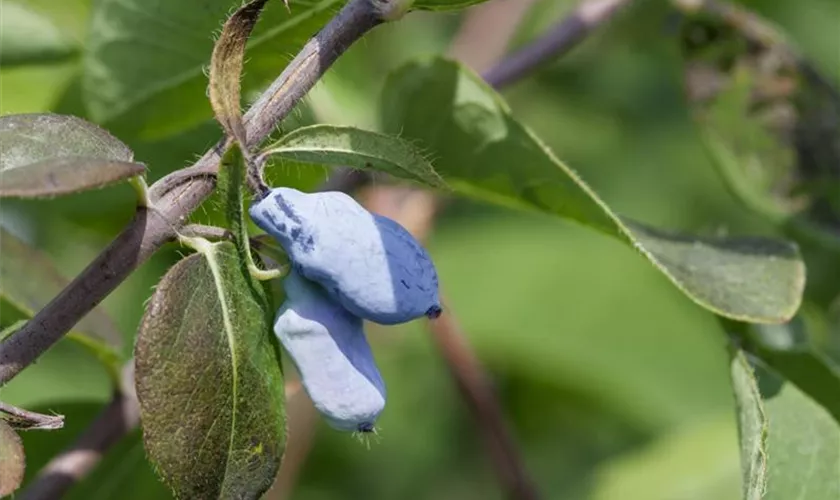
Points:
(484, 152)
(208, 379)
(790, 445)
(158, 87)
(59, 176)
(48, 154)
(770, 121)
(27, 37)
(31, 138)
(356, 148)
(12, 461)
(29, 280)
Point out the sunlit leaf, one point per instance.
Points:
(144, 75)
(27, 37)
(49, 155)
(356, 148)
(209, 380)
(770, 121)
(12, 461)
(226, 68)
(29, 280)
(790, 445)
(483, 152)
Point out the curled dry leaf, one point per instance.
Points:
(226, 69)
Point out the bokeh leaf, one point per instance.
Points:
(208, 379)
(12, 460)
(789, 350)
(27, 37)
(790, 445)
(482, 151)
(49, 154)
(29, 280)
(696, 461)
(144, 74)
(770, 121)
(356, 148)
(226, 69)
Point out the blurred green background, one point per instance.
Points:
(614, 383)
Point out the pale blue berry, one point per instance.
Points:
(329, 349)
(370, 264)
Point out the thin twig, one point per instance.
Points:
(566, 35)
(22, 419)
(477, 390)
(152, 228)
(71, 465)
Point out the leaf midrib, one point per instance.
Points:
(213, 264)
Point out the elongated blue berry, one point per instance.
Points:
(328, 346)
(370, 264)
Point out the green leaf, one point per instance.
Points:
(144, 75)
(790, 445)
(208, 379)
(31, 138)
(483, 152)
(770, 121)
(27, 37)
(60, 176)
(443, 5)
(789, 350)
(49, 154)
(356, 148)
(226, 69)
(29, 280)
(12, 461)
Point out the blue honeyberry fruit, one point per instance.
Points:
(328, 346)
(368, 263)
